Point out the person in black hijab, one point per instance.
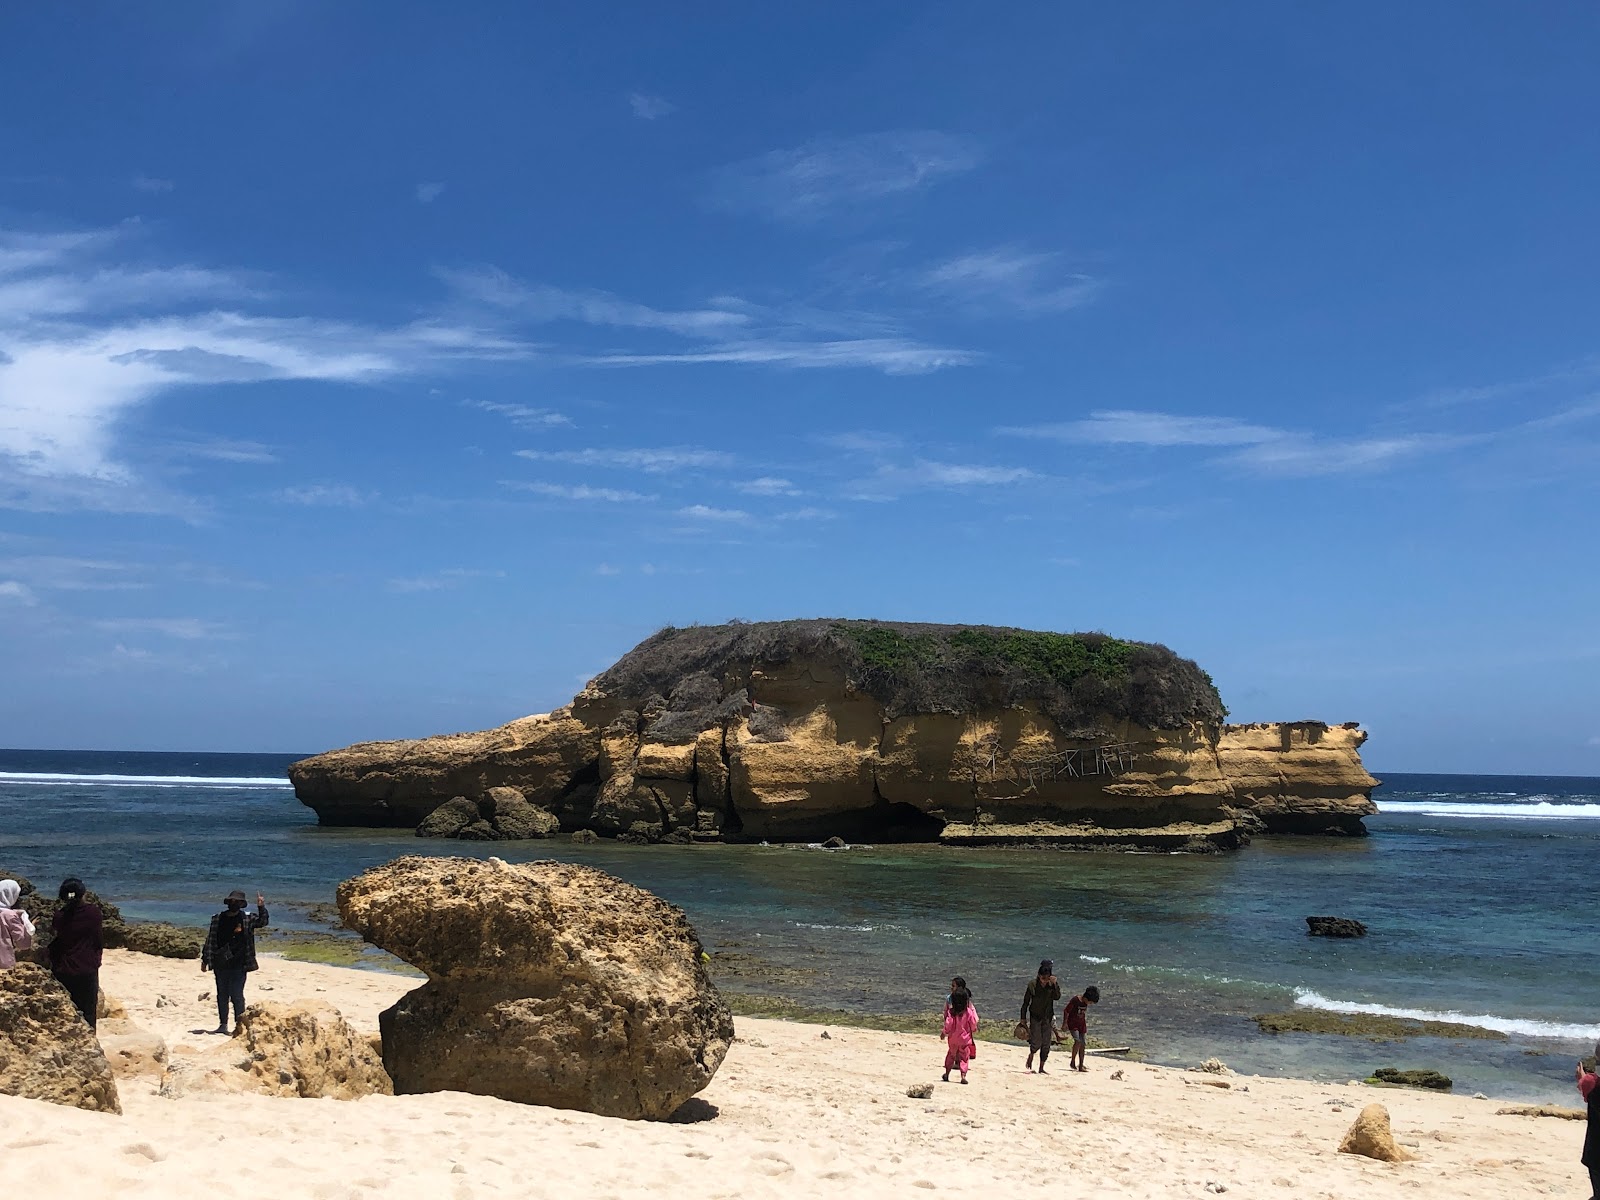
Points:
(76, 947)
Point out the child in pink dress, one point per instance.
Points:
(960, 1023)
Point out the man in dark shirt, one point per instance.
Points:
(230, 953)
(1039, 1010)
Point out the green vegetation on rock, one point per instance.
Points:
(1369, 1025)
(1079, 679)
(1433, 1081)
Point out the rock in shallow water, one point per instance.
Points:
(1335, 927)
(47, 1052)
(548, 983)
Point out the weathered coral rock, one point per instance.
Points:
(547, 984)
(501, 814)
(131, 1049)
(163, 940)
(1371, 1137)
(306, 1050)
(797, 731)
(46, 1050)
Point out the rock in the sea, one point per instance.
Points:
(875, 731)
(305, 1050)
(46, 1050)
(1431, 1080)
(1335, 927)
(500, 814)
(585, 836)
(1371, 1137)
(836, 843)
(1214, 1066)
(548, 983)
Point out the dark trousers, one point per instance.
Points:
(1040, 1035)
(85, 993)
(1594, 1183)
(230, 987)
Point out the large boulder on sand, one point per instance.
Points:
(306, 1049)
(1371, 1137)
(46, 1050)
(548, 983)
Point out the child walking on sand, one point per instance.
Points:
(960, 1023)
(1075, 1020)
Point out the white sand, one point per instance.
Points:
(798, 1115)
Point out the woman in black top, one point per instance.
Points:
(75, 948)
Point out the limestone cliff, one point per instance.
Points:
(807, 729)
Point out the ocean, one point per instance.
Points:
(1472, 887)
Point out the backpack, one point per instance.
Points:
(232, 948)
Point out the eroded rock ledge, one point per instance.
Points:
(802, 730)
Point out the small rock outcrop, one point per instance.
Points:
(873, 731)
(1335, 927)
(46, 1050)
(501, 814)
(1371, 1137)
(131, 1049)
(548, 983)
(305, 1050)
(1431, 1080)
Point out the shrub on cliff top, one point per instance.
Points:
(1077, 678)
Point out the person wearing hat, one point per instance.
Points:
(230, 952)
(1039, 1012)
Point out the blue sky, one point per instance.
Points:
(373, 370)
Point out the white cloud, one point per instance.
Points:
(1262, 449)
(704, 512)
(768, 485)
(825, 176)
(53, 572)
(580, 491)
(427, 193)
(808, 514)
(445, 580)
(151, 185)
(650, 108)
(323, 495)
(223, 450)
(82, 343)
(656, 460)
(519, 414)
(542, 302)
(1124, 427)
(892, 356)
(893, 479)
(187, 629)
(16, 592)
(1009, 280)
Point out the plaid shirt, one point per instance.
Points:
(252, 922)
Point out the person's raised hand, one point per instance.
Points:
(260, 899)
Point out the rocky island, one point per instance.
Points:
(804, 730)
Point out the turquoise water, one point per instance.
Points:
(1472, 886)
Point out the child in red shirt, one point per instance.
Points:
(1075, 1021)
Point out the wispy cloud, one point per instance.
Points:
(520, 414)
(65, 573)
(822, 177)
(768, 485)
(892, 356)
(895, 479)
(150, 185)
(657, 460)
(704, 512)
(445, 580)
(650, 108)
(186, 629)
(723, 330)
(557, 491)
(14, 591)
(83, 341)
(427, 193)
(231, 450)
(1262, 449)
(324, 495)
(809, 513)
(1009, 280)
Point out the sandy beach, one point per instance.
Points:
(795, 1110)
